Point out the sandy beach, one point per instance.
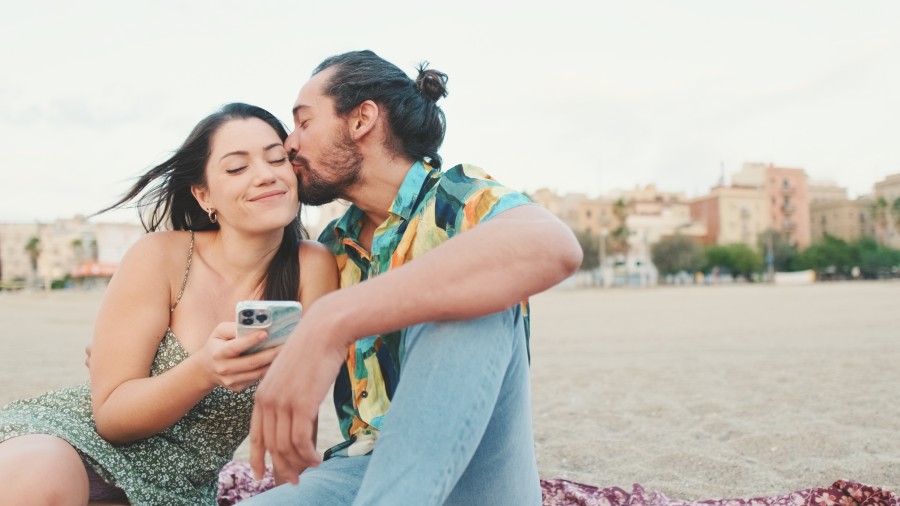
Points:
(698, 392)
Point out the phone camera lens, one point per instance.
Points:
(247, 313)
(261, 318)
(247, 321)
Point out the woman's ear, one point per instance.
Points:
(201, 193)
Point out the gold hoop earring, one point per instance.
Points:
(212, 215)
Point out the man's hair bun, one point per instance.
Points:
(431, 83)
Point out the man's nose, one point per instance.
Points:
(292, 145)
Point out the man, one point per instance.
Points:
(430, 352)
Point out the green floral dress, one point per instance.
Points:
(178, 466)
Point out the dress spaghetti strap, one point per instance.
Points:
(187, 270)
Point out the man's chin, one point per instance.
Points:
(317, 200)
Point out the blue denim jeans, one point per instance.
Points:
(458, 431)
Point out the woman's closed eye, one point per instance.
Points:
(236, 170)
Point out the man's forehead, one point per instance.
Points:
(313, 92)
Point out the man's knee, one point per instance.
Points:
(493, 333)
(333, 482)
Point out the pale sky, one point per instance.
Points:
(575, 96)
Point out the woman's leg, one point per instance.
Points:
(42, 470)
(459, 427)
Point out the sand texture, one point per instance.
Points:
(698, 392)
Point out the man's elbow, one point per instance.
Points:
(569, 253)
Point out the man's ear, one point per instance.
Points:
(363, 119)
(202, 195)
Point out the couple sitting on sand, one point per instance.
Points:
(171, 396)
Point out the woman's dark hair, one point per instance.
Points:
(417, 123)
(165, 200)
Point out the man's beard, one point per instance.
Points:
(343, 160)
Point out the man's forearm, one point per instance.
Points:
(489, 268)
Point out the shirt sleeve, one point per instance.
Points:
(485, 197)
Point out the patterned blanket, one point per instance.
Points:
(236, 483)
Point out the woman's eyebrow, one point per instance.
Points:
(244, 153)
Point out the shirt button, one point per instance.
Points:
(364, 394)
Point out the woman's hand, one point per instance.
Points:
(223, 364)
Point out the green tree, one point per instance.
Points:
(33, 248)
(677, 253)
(618, 238)
(895, 212)
(881, 211)
(738, 259)
(784, 252)
(830, 256)
(875, 260)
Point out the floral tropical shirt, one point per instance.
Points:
(431, 207)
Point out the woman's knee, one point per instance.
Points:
(42, 469)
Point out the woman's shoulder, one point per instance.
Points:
(318, 271)
(314, 252)
(161, 247)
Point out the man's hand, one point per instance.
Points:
(288, 398)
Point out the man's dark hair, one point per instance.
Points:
(416, 122)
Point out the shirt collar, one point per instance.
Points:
(408, 195)
(349, 225)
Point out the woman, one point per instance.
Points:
(162, 414)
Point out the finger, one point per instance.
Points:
(251, 362)
(257, 444)
(238, 346)
(290, 460)
(282, 472)
(225, 331)
(304, 445)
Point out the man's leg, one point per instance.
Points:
(459, 427)
(333, 483)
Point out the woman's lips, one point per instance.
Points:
(268, 195)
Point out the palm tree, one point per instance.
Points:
(881, 211)
(895, 211)
(33, 248)
(619, 235)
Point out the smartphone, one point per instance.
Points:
(277, 317)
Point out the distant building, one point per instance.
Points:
(61, 248)
(825, 191)
(787, 194)
(849, 220)
(888, 224)
(580, 212)
(15, 262)
(732, 215)
(114, 240)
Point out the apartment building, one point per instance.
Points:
(732, 214)
(849, 220)
(825, 191)
(580, 212)
(887, 193)
(787, 193)
(37, 253)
